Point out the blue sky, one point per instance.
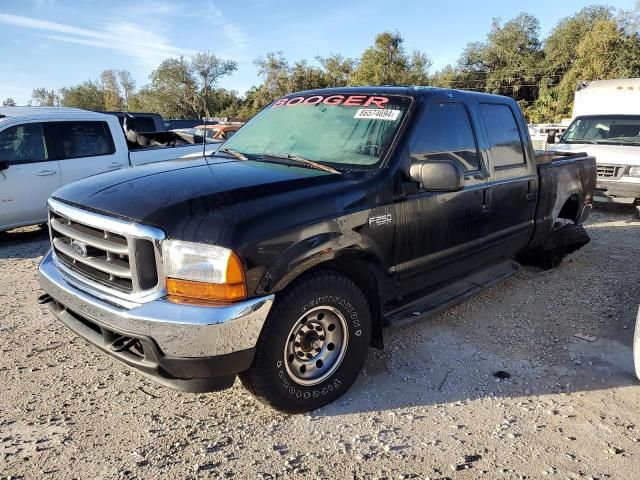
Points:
(53, 43)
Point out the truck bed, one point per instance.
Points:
(146, 140)
(544, 157)
(561, 175)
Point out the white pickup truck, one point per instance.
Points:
(42, 149)
(606, 125)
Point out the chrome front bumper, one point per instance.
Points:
(618, 191)
(184, 331)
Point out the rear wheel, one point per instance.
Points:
(313, 344)
(564, 239)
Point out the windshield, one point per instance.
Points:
(348, 131)
(605, 129)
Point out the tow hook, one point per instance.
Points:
(44, 299)
(123, 343)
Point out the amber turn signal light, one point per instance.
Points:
(233, 290)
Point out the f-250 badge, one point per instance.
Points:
(380, 220)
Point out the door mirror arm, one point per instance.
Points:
(437, 176)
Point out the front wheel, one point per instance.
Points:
(313, 344)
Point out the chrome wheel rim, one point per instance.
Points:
(316, 345)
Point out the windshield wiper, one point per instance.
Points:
(296, 159)
(233, 153)
(581, 140)
(622, 140)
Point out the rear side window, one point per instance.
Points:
(23, 144)
(144, 124)
(504, 137)
(84, 139)
(445, 133)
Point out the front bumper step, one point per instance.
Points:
(194, 375)
(189, 348)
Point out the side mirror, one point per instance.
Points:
(440, 176)
(551, 137)
(4, 165)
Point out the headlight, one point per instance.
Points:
(634, 171)
(197, 272)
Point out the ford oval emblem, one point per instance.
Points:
(79, 248)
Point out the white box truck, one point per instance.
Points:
(606, 124)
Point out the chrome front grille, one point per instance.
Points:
(119, 257)
(609, 171)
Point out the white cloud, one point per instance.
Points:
(232, 31)
(145, 46)
(204, 11)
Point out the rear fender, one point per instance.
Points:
(569, 189)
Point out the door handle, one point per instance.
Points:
(486, 200)
(46, 173)
(115, 165)
(530, 190)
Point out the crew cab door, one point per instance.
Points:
(511, 197)
(32, 173)
(439, 235)
(85, 148)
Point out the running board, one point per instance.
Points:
(451, 294)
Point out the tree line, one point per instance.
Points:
(598, 42)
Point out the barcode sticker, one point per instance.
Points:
(377, 113)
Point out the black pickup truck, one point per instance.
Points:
(331, 214)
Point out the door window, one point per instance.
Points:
(445, 133)
(23, 144)
(84, 139)
(504, 137)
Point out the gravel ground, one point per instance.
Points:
(427, 407)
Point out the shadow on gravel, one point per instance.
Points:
(27, 242)
(446, 369)
(567, 330)
(628, 211)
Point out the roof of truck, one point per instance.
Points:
(408, 90)
(614, 84)
(47, 112)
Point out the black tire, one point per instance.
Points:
(561, 242)
(269, 377)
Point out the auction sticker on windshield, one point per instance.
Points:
(377, 114)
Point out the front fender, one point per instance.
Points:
(327, 241)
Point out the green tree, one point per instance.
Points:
(112, 95)
(507, 63)
(128, 86)
(181, 88)
(386, 63)
(88, 95)
(8, 102)
(42, 97)
(337, 70)
(281, 78)
(560, 55)
(207, 70)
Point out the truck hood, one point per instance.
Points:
(605, 154)
(204, 201)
